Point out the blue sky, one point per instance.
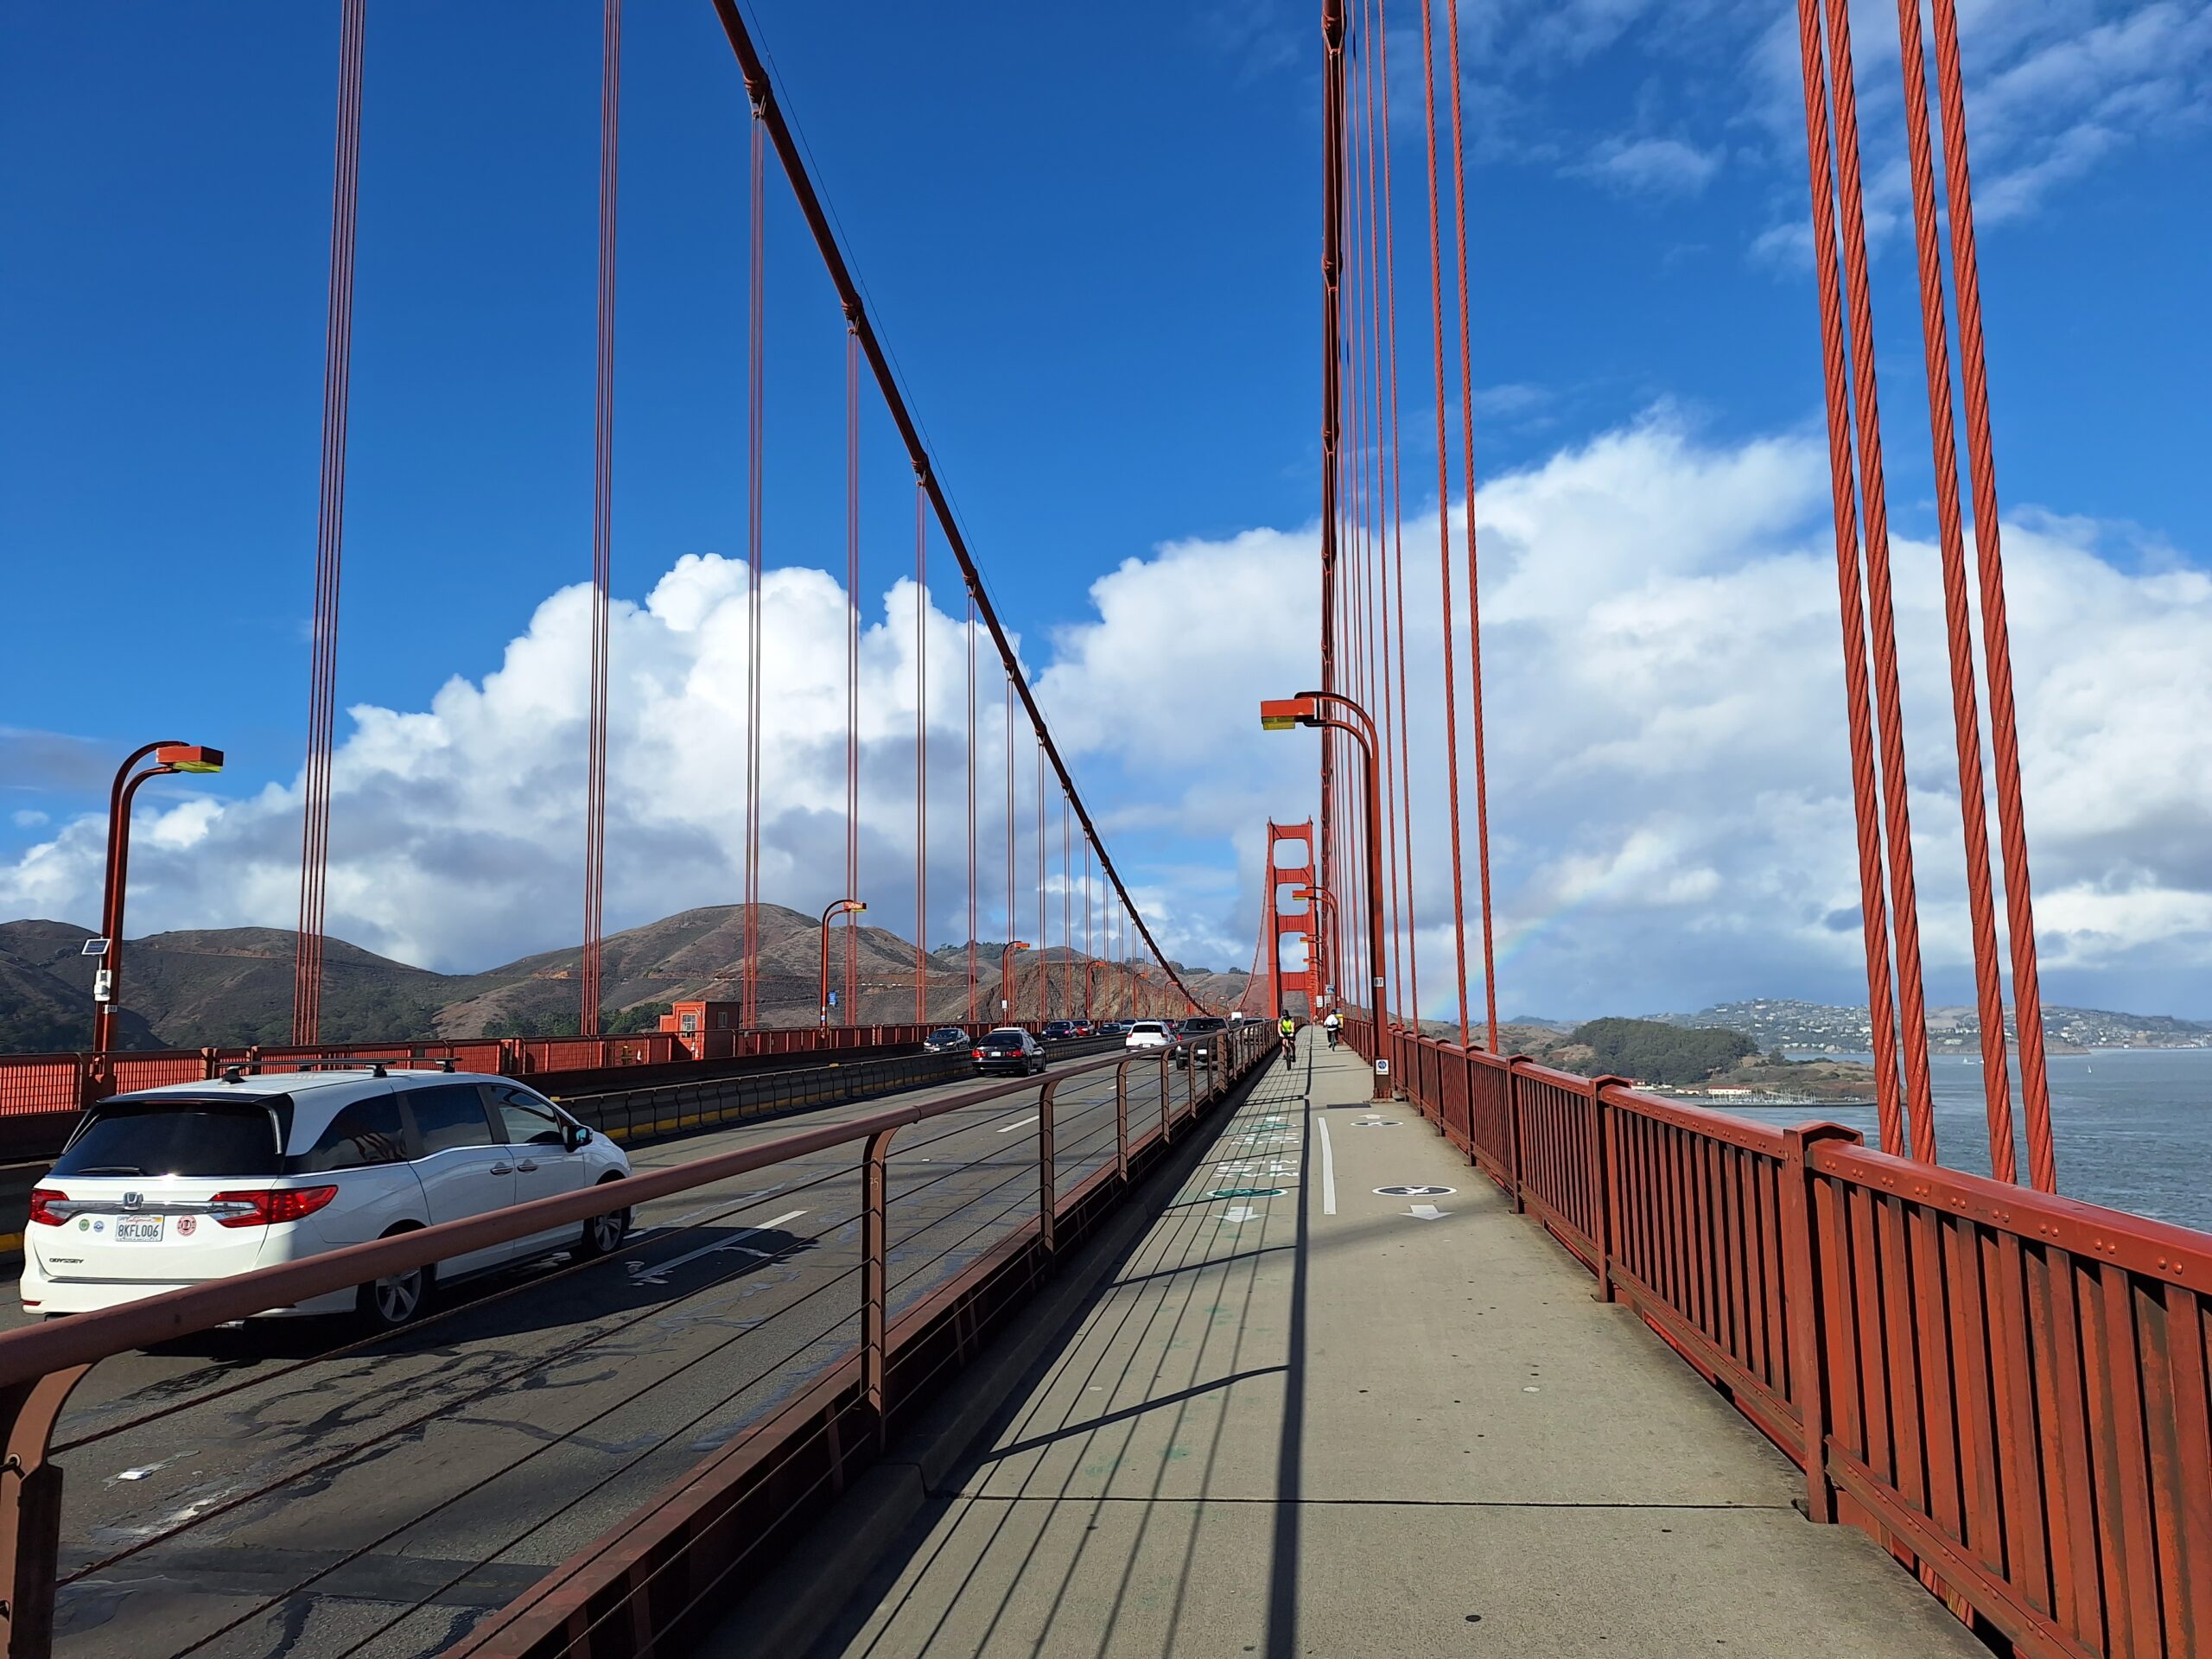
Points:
(1089, 237)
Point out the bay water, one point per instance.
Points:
(2133, 1126)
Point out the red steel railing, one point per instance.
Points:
(32, 1084)
(2007, 1388)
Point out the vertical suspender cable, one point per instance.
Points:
(1397, 515)
(756, 401)
(1873, 911)
(1966, 706)
(1008, 1012)
(322, 675)
(1044, 967)
(921, 754)
(1912, 1010)
(1996, 634)
(1444, 507)
(1332, 142)
(1474, 593)
(1382, 279)
(852, 665)
(972, 912)
(602, 524)
(1067, 910)
(761, 90)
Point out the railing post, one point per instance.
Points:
(1166, 1111)
(874, 1265)
(1512, 1129)
(30, 1510)
(1602, 1119)
(1122, 1122)
(1048, 1199)
(1801, 1275)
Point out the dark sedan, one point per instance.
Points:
(945, 1039)
(1008, 1049)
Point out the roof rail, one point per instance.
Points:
(374, 1068)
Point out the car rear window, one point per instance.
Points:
(183, 1138)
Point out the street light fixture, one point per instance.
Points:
(838, 908)
(1006, 976)
(1318, 708)
(107, 979)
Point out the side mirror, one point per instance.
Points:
(578, 1137)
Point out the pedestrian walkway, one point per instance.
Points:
(1341, 1402)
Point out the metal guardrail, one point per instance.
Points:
(672, 1561)
(661, 1109)
(2006, 1389)
(40, 1095)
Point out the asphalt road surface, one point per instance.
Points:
(268, 1489)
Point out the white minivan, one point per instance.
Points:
(198, 1182)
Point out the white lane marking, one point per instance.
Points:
(1010, 1128)
(658, 1275)
(1427, 1212)
(1328, 1170)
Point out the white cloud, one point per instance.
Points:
(1645, 168)
(2055, 88)
(1669, 788)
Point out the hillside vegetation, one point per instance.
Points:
(233, 986)
(1653, 1052)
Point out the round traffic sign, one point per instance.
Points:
(1413, 1191)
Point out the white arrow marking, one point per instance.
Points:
(1427, 1212)
(1240, 1215)
(658, 1275)
(1010, 1128)
(1328, 1172)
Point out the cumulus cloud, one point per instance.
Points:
(1669, 790)
(1668, 784)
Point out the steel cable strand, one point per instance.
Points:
(536, 1451)
(1398, 511)
(338, 343)
(756, 401)
(1843, 494)
(852, 665)
(1997, 649)
(921, 756)
(1966, 720)
(602, 525)
(507, 1380)
(1444, 512)
(1474, 595)
(1912, 1007)
(1386, 350)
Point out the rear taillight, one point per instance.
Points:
(267, 1209)
(42, 1199)
(979, 1053)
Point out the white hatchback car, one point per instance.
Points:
(1150, 1034)
(197, 1181)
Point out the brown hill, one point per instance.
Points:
(234, 985)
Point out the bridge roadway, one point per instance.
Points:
(430, 1478)
(1339, 1421)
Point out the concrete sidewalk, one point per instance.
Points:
(1310, 1418)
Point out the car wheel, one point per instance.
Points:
(396, 1300)
(603, 1235)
